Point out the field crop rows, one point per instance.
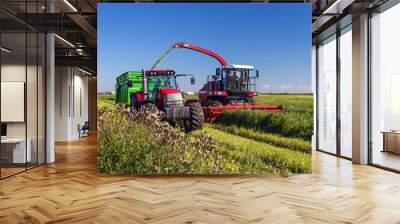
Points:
(295, 122)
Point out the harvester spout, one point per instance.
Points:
(219, 58)
(162, 57)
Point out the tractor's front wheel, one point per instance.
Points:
(196, 120)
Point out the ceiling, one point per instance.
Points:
(75, 21)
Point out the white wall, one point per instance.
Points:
(17, 73)
(33, 126)
(80, 109)
(71, 102)
(62, 83)
(14, 72)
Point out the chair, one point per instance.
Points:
(84, 130)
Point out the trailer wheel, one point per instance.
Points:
(196, 120)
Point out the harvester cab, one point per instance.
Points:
(233, 84)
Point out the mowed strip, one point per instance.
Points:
(259, 155)
(276, 140)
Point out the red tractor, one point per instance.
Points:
(159, 87)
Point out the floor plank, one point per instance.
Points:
(70, 191)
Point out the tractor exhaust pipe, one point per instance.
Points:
(145, 85)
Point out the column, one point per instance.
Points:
(360, 90)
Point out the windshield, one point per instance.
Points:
(160, 81)
(237, 80)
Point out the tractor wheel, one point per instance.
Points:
(196, 120)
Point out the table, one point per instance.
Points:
(13, 150)
(391, 141)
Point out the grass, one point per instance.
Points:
(257, 157)
(296, 121)
(292, 103)
(244, 142)
(191, 97)
(105, 101)
(276, 140)
(286, 124)
(146, 147)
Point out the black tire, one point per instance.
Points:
(196, 120)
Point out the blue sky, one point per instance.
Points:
(274, 38)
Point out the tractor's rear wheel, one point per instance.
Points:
(196, 120)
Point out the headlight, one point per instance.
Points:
(171, 103)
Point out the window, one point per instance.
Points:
(23, 85)
(15, 147)
(327, 95)
(346, 92)
(385, 89)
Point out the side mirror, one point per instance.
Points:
(129, 83)
(192, 81)
(257, 74)
(218, 71)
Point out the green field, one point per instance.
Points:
(250, 142)
(105, 100)
(295, 122)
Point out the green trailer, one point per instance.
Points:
(127, 84)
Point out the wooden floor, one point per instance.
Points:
(5, 172)
(387, 159)
(70, 191)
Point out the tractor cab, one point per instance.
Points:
(160, 87)
(159, 80)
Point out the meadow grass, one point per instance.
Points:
(257, 157)
(104, 100)
(286, 124)
(147, 147)
(233, 148)
(296, 121)
(292, 103)
(276, 140)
